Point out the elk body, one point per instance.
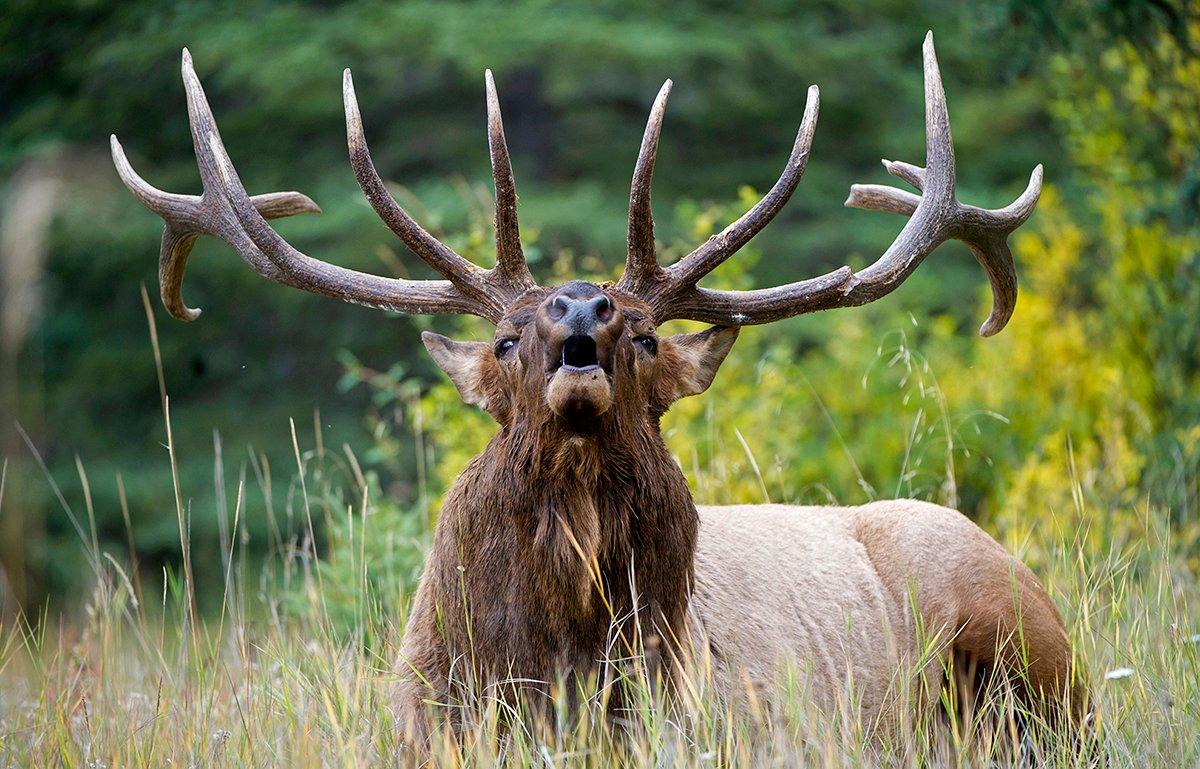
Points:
(575, 526)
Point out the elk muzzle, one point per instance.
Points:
(580, 326)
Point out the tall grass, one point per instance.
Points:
(296, 665)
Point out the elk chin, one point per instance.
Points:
(579, 394)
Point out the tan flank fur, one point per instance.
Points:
(576, 527)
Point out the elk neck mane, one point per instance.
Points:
(548, 535)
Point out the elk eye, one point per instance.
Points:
(503, 346)
(647, 343)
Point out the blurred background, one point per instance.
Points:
(1097, 379)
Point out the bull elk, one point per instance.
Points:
(576, 522)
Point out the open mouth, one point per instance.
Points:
(578, 387)
(579, 353)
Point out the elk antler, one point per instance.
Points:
(226, 211)
(935, 217)
(641, 266)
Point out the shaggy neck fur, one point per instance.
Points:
(535, 561)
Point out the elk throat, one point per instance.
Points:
(569, 528)
(546, 549)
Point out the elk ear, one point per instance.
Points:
(465, 364)
(690, 361)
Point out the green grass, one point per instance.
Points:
(138, 681)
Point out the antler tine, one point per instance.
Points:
(467, 276)
(936, 216)
(186, 217)
(510, 259)
(914, 175)
(641, 265)
(938, 178)
(720, 247)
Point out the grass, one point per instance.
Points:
(139, 682)
(294, 666)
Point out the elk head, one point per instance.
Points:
(582, 355)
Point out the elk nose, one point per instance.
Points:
(581, 315)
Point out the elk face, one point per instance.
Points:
(582, 356)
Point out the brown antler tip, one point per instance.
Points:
(277, 205)
(660, 102)
(348, 97)
(659, 107)
(653, 128)
(149, 196)
(354, 128)
(191, 82)
(173, 303)
(1002, 312)
(854, 199)
(124, 169)
(933, 76)
(493, 105)
(1029, 199)
(808, 127)
(812, 106)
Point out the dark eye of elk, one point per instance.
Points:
(503, 346)
(647, 343)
